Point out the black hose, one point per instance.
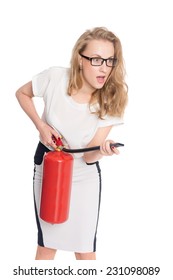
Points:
(90, 148)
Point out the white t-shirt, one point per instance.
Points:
(72, 120)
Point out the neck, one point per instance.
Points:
(81, 95)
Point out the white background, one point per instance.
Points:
(135, 227)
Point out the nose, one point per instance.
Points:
(103, 67)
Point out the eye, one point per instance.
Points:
(111, 61)
(96, 60)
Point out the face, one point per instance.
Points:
(94, 77)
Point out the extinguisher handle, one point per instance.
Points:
(90, 148)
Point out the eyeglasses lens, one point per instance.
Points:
(96, 61)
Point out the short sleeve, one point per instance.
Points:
(40, 83)
(108, 121)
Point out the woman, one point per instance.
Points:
(82, 103)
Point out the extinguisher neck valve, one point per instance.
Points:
(59, 148)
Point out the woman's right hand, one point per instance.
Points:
(46, 134)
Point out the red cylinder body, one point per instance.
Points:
(56, 187)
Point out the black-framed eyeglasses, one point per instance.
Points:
(98, 61)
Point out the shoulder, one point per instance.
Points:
(58, 72)
(49, 78)
(52, 73)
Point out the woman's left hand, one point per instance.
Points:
(106, 150)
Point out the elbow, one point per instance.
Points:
(86, 158)
(17, 94)
(21, 96)
(25, 90)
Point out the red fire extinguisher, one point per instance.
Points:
(56, 184)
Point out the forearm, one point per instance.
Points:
(97, 140)
(28, 106)
(105, 148)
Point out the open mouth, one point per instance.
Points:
(100, 79)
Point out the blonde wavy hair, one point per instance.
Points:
(112, 97)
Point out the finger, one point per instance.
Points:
(51, 144)
(105, 149)
(102, 150)
(108, 148)
(54, 139)
(115, 150)
(55, 134)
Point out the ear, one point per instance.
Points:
(80, 62)
(80, 65)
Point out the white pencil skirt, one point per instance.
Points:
(78, 233)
